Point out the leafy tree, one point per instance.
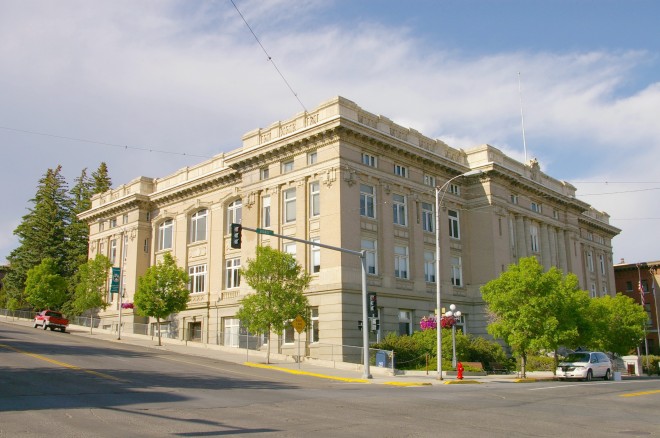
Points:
(101, 179)
(41, 234)
(162, 290)
(617, 323)
(91, 286)
(278, 281)
(520, 304)
(45, 288)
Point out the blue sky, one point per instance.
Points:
(188, 77)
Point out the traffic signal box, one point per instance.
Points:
(236, 235)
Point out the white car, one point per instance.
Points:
(585, 365)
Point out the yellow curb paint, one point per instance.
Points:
(62, 364)
(407, 383)
(636, 394)
(461, 382)
(306, 373)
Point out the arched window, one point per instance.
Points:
(234, 213)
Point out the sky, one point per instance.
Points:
(149, 87)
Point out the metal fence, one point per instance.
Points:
(297, 350)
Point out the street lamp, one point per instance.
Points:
(438, 201)
(454, 314)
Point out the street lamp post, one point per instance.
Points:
(454, 314)
(438, 201)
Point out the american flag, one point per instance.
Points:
(641, 292)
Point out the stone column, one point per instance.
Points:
(545, 247)
(522, 231)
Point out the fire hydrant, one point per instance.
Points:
(459, 368)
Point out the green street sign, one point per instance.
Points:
(265, 231)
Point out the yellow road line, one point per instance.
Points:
(305, 373)
(635, 394)
(62, 364)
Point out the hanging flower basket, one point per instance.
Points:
(126, 305)
(428, 323)
(447, 322)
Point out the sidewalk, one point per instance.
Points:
(343, 372)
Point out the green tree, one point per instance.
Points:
(162, 290)
(279, 282)
(91, 286)
(617, 324)
(101, 179)
(45, 288)
(520, 306)
(41, 234)
(77, 232)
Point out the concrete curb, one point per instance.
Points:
(305, 373)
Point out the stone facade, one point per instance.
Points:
(350, 179)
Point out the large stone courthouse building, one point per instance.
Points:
(348, 178)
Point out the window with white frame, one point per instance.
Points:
(601, 262)
(314, 326)
(401, 261)
(198, 226)
(454, 224)
(265, 211)
(590, 261)
(428, 219)
(314, 199)
(401, 171)
(232, 273)
(290, 248)
(514, 199)
(454, 189)
(113, 251)
(405, 322)
(315, 256)
(289, 205)
(101, 226)
(429, 180)
(287, 166)
(289, 333)
(399, 209)
(165, 235)
(312, 157)
(232, 330)
(113, 222)
(369, 160)
(263, 173)
(369, 247)
(429, 266)
(536, 207)
(592, 292)
(456, 271)
(460, 323)
(234, 213)
(124, 219)
(197, 276)
(367, 201)
(534, 238)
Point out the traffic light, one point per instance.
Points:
(236, 230)
(373, 305)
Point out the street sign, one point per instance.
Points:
(114, 285)
(265, 231)
(298, 324)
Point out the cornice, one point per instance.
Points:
(195, 187)
(115, 207)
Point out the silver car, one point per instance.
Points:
(585, 365)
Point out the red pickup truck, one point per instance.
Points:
(51, 319)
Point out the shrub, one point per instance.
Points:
(654, 362)
(540, 363)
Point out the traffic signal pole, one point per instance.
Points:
(363, 262)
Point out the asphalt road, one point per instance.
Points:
(60, 385)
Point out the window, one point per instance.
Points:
(232, 328)
(148, 216)
(369, 160)
(399, 209)
(290, 248)
(590, 236)
(314, 326)
(629, 286)
(165, 235)
(460, 323)
(197, 278)
(146, 245)
(536, 207)
(601, 262)
(232, 273)
(427, 217)
(401, 171)
(514, 199)
(555, 214)
(456, 271)
(101, 226)
(454, 189)
(592, 291)
(367, 201)
(429, 266)
(369, 246)
(429, 180)
(113, 222)
(454, 224)
(312, 158)
(234, 213)
(124, 219)
(401, 261)
(315, 256)
(287, 166)
(113, 251)
(290, 205)
(314, 199)
(265, 212)
(289, 334)
(534, 238)
(405, 322)
(590, 261)
(263, 173)
(198, 226)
